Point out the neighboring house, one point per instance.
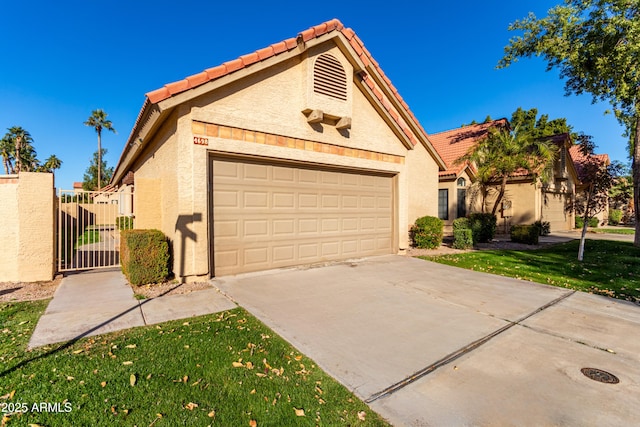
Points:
(579, 159)
(454, 189)
(298, 153)
(525, 201)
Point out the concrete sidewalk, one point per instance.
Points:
(99, 302)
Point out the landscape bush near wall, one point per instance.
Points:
(27, 234)
(144, 256)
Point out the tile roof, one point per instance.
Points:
(244, 61)
(453, 144)
(579, 159)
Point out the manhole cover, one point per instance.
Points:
(600, 375)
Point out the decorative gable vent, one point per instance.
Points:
(329, 77)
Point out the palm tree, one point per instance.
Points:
(505, 153)
(23, 152)
(98, 121)
(52, 163)
(7, 148)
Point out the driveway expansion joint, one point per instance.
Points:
(460, 352)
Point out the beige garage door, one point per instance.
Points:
(553, 210)
(270, 215)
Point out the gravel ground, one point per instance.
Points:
(12, 291)
(169, 288)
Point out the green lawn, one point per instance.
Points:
(89, 236)
(609, 268)
(226, 369)
(613, 230)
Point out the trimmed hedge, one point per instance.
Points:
(615, 216)
(484, 227)
(462, 238)
(593, 222)
(427, 232)
(144, 256)
(528, 234)
(461, 224)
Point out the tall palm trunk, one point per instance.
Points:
(18, 156)
(99, 159)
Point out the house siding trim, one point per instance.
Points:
(201, 129)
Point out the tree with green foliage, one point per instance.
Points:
(19, 155)
(52, 163)
(98, 120)
(7, 148)
(19, 147)
(505, 153)
(91, 181)
(596, 179)
(596, 46)
(539, 127)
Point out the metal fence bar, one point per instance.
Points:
(89, 224)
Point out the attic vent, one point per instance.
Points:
(329, 77)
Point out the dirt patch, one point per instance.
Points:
(17, 291)
(169, 288)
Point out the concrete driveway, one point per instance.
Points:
(426, 344)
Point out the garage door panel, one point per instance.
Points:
(270, 216)
(553, 211)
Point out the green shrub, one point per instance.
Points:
(544, 227)
(461, 223)
(484, 226)
(427, 232)
(525, 234)
(593, 222)
(615, 216)
(124, 222)
(462, 238)
(144, 256)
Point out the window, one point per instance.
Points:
(462, 202)
(443, 204)
(329, 77)
(462, 182)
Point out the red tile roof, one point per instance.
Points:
(455, 143)
(244, 61)
(579, 159)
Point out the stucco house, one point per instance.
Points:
(298, 153)
(525, 201)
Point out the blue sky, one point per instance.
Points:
(61, 60)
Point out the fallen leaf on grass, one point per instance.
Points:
(191, 406)
(237, 365)
(103, 384)
(299, 412)
(131, 346)
(128, 362)
(132, 379)
(362, 415)
(78, 351)
(211, 414)
(8, 395)
(253, 423)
